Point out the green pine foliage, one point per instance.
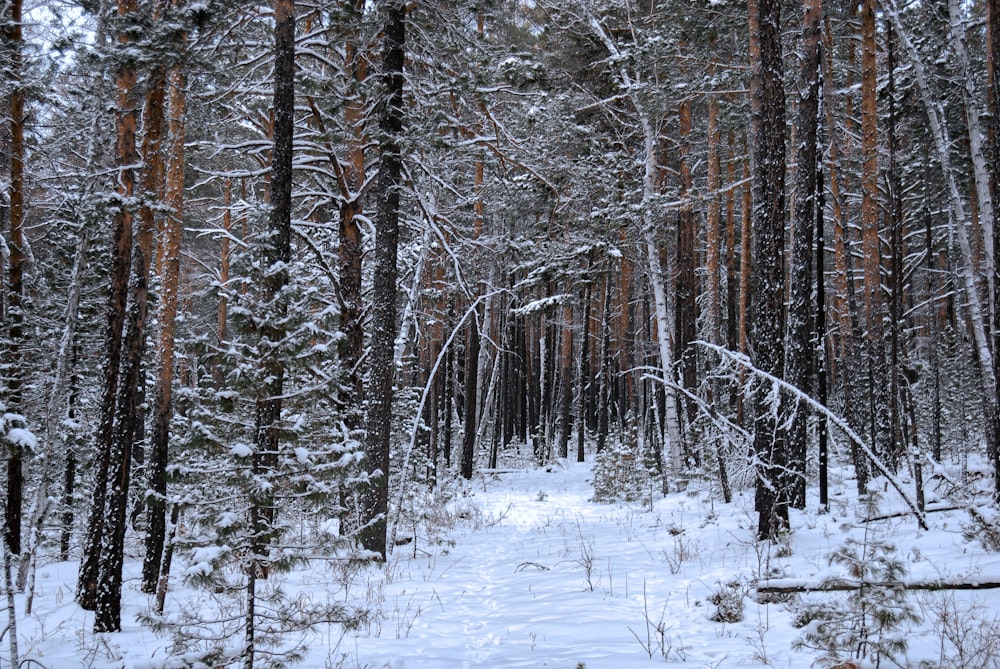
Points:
(870, 623)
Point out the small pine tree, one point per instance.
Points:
(620, 473)
(870, 624)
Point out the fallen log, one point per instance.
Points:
(789, 586)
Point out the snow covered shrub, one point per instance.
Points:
(728, 601)
(869, 624)
(619, 474)
(969, 637)
(984, 527)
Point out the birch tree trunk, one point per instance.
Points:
(661, 313)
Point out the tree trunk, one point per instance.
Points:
(686, 286)
(799, 335)
(471, 401)
(767, 313)
(583, 405)
(993, 62)
(13, 39)
(881, 435)
(277, 254)
(378, 421)
(169, 272)
(126, 114)
(351, 242)
(566, 381)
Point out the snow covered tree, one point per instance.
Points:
(378, 419)
(770, 446)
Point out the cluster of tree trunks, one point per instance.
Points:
(618, 320)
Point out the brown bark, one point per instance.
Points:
(880, 431)
(126, 116)
(168, 268)
(351, 209)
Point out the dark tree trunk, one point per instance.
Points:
(277, 254)
(169, 272)
(686, 303)
(448, 392)
(126, 115)
(69, 472)
(767, 314)
(993, 60)
(13, 38)
(471, 401)
(585, 380)
(566, 382)
(800, 349)
(603, 392)
(378, 421)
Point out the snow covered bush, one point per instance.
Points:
(619, 474)
(728, 601)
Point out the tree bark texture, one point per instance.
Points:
(800, 349)
(767, 309)
(126, 119)
(378, 421)
(169, 272)
(13, 40)
(277, 254)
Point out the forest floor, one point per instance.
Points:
(521, 569)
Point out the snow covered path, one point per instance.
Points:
(552, 580)
(522, 570)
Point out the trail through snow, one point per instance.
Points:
(521, 569)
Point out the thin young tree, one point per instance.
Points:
(993, 63)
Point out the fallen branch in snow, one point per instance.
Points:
(524, 565)
(744, 360)
(788, 586)
(907, 512)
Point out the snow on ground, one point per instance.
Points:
(525, 571)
